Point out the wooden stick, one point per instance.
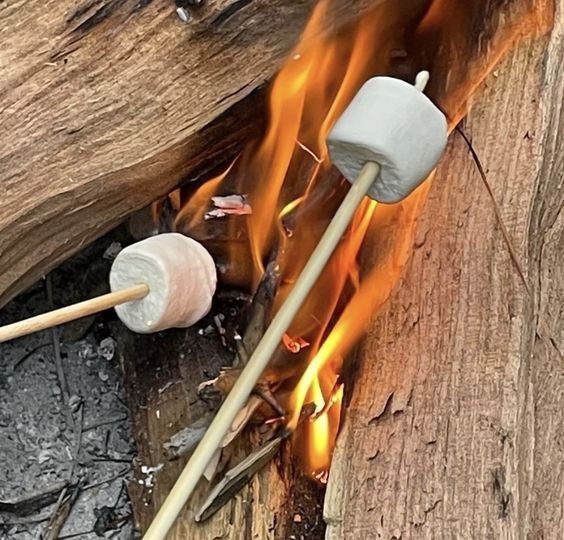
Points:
(71, 313)
(257, 363)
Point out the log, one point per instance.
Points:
(454, 426)
(109, 104)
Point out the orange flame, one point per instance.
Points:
(293, 194)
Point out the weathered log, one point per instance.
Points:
(162, 373)
(453, 428)
(107, 104)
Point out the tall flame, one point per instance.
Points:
(288, 178)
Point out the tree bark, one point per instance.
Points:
(454, 426)
(108, 104)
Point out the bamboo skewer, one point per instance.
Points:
(257, 363)
(71, 313)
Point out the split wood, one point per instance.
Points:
(237, 477)
(71, 313)
(257, 363)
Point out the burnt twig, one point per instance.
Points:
(78, 442)
(237, 477)
(108, 421)
(61, 513)
(242, 473)
(121, 473)
(336, 391)
(260, 312)
(27, 355)
(35, 502)
(57, 352)
(264, 391)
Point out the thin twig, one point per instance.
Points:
(57, 351)
(34, 502)
(59, 518)
(334, 395)
(242, 473)
(108, 421)
(55, 511)
(109, 460)
(121, 473)
(80, 534)
(66, 500)
(506, 237)
(237, 477)
(27, 355)
(78, 442)
(504, 232)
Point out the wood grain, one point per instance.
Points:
(454, 427)
(162, 372)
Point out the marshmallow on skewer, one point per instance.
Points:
(392, 123)
(181, 277)
(166, 281)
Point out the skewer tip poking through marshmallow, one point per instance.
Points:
(392, 123)
(181, 277)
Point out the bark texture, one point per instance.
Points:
(107, 104)
(454, 427)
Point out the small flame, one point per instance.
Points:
(193, 212)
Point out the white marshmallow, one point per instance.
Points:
(181, 277)
(395, 125)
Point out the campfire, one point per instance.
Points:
(264, 215)
(235, 245)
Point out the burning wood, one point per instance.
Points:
(377, 165)
(243, 472)
(237, 477)
(335, 396)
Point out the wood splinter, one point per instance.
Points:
(241, 474)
